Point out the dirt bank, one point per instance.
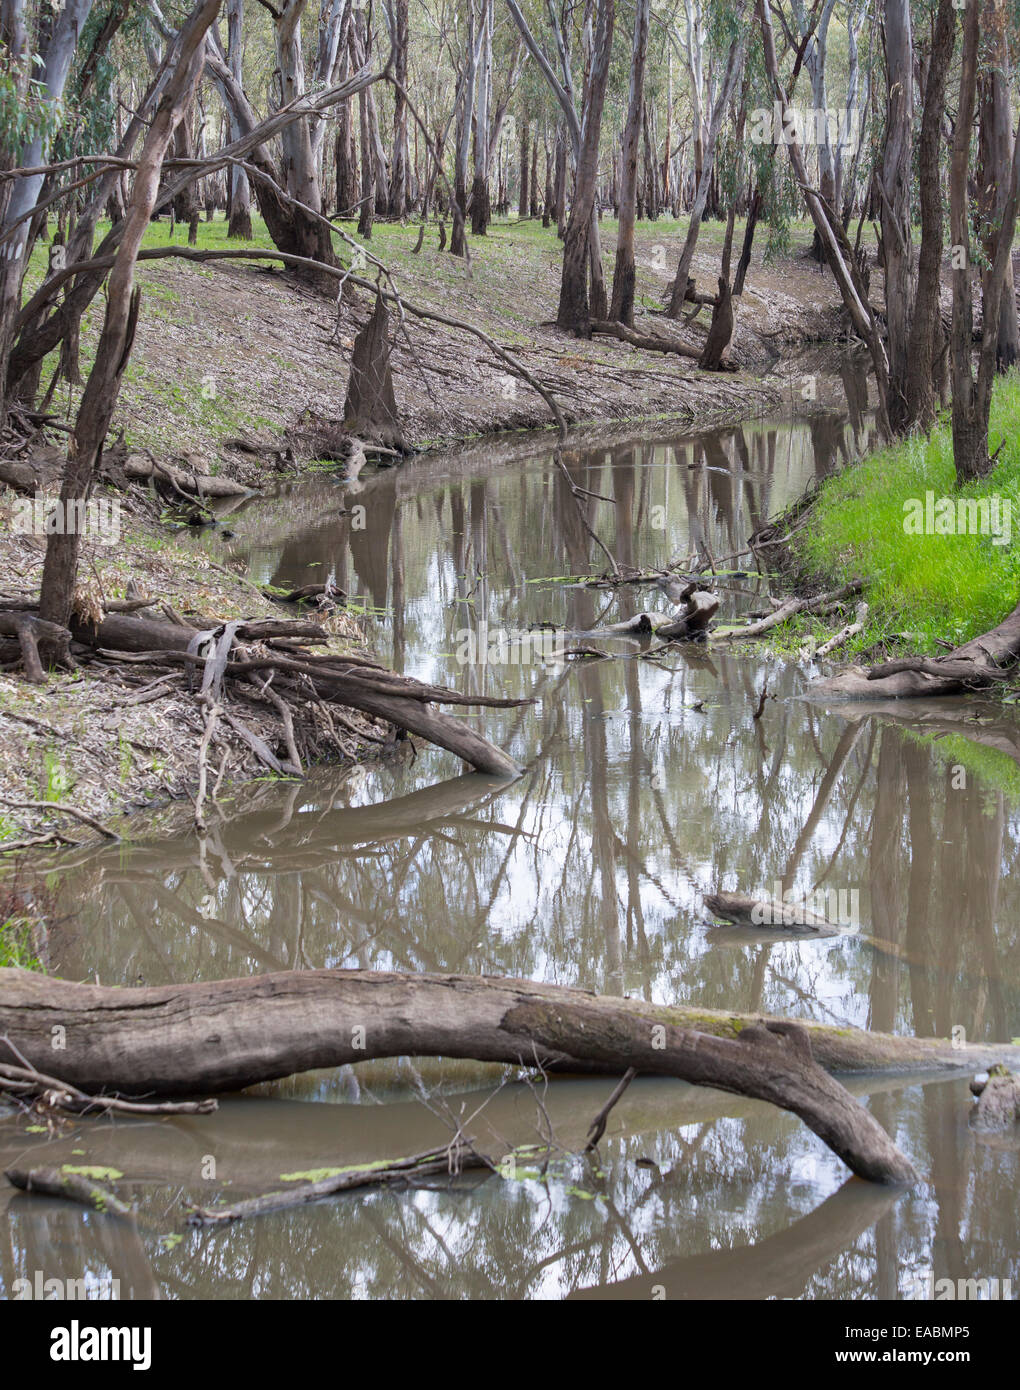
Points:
(228, 349)
(244, 350)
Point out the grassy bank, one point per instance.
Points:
(948, 586)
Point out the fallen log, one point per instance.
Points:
(976, 663)
(215, 1036)
(788, 610)
(451, 1160)
(768, 919)
(648, 342)
(745, 911)
(701, 608)
(30, 631)
(54, 1182)
(998, 1107)
(770, 1061)
(845, 633)
(191, 482)
(209, 1037)
(351, 681)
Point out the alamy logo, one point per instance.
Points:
(77, 1343)
(925, 1286)
(805, 125)
(484, 646)
(959, 516)
(97, 518)
(789, 909)
(40, 1288)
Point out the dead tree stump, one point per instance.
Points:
(370, 411)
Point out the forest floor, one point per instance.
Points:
(244, 350)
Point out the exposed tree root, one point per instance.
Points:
(264, 662)
(975, 664)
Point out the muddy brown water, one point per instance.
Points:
(647, 783)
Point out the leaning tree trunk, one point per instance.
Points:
(100, 396)
(838, 249)
(624, 276)
(219, 1036)
(734, 67)
(573, 314)
(57, 57)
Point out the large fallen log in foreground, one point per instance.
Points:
(223, 1035)
(977, 663)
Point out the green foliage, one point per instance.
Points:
(25, 111)
(935, 586)
(16, 945)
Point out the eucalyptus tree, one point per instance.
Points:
(31, 116)
(972, 391)
(622, 305)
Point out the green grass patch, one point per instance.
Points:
(952, 587)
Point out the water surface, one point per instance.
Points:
(647, 783)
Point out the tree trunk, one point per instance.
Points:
(838, 250)
(734, 66)
(753, 213)
(223, 1035)
(522, 194)
(57, 56)
(927, 338)
(100, 396)
(481, 210)
(398, 169)
(995, 148)
(574, 310)
(972, 396)
(624, 276)
(239, 219)
(897, 251)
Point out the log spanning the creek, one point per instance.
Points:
(221, 1036)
